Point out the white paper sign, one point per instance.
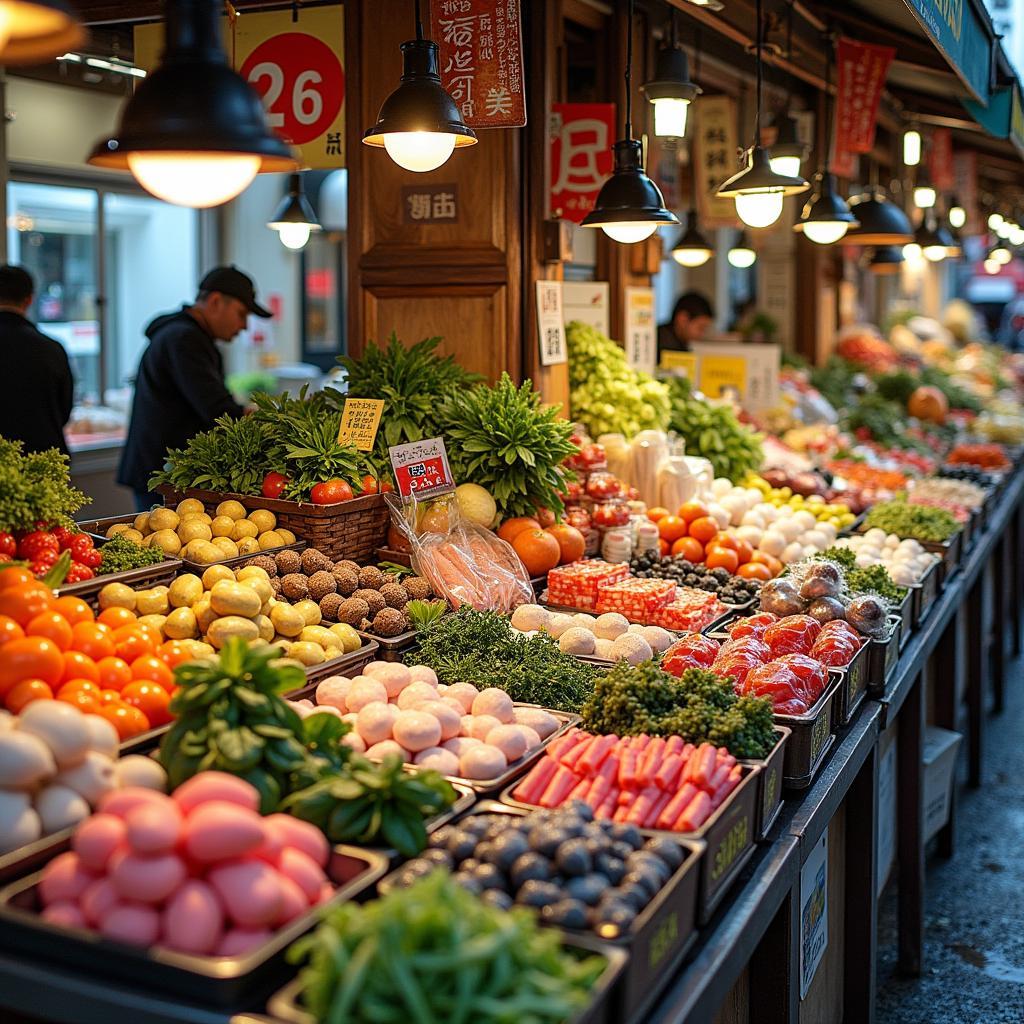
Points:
(586, 301)
(813, 912)
(762, 372)
(641, 330)
(550, 323)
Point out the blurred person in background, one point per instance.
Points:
(691, 318)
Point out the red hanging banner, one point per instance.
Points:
(940, 159)
(862, 70)
(581, 137)
(965, 188)
(481, 46)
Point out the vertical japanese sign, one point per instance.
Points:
(940, 159)
(360, 418)
(550, 323)
(581, 136)
(297, 67)
(481, 44)
(965, 188)
(813, 912)
(862, 71)
(716, 145)
(641, 330)
(421, 468)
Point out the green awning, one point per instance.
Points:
(1003, 118)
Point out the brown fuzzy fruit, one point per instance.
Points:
(347, 580)
(374, 600)
(330, 606)
(288, 562)
(321, 584)
(347, 563)
(417, 588)
(353, 610)
(371, 578)
(265, 562)
(295, 586)
(275, 582)
(388, 622)
(314, 561)
(395, 595)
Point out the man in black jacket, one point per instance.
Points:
(180, 390)
(37, 401)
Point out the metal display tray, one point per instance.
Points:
(769, 783)
(811, 737)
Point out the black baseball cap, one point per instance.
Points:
(231, 281)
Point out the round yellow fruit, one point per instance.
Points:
(196, 517)
(248, 546)
(270, 539)
(181, 624)
(189, 505)
(194, 529)
(232, 509)
(261, 586)
(215, 574)
(185, 591)
(476, 504)
(222, 526)
(163, 519)
(133, 535)
(310, 612)
(117, 595)
(167, 540)
(286, 535)
(350, 640)
(116, 528)
(227, 545)
(141, 523)
(263, 519)
(307, 653)
(222, 629)
(288, 621)
(242, 528)
(252, 572)
(230, 598)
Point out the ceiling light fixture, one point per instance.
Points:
(924, 191)
(671, 92)
(36, 31)
(933, 239)
(693, 249)
(742, 254)
(419, 123)
(886, 259)
(194, 133)
(759, 192)
(881, 221)
(912, 146)
(294, 218)
(957, 214)
(788, 152)
(630, 206)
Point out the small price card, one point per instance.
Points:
(421, 468)
(360, 419)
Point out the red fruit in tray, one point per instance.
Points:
(273, 485)
(811, 673)
(603, 485)
(752, 625)
(693, 651)
(794, 634)
(781, 685)
(841, 628)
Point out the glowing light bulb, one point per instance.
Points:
(294, 236)
(742, 258)
(912, 147)
(419, 151)
(992, 266)
(912, 252)
(1004, 229)
(957, 216)
(670, 117)
(759, 209)
(995, 221)
(924, 197)
(786, 165)
(691, 257)
(192, 179)
(935, 253)
(825, 232)
(629, 232)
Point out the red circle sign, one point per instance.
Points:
(302, 84)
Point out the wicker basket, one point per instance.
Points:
(350, 529)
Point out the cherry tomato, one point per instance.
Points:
(370, 485)
(151, 699)
(80, 544)
(23, 693)
(330, 492)
(51, 625)
(273, 485)
(8, 545)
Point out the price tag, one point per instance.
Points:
(360, 419)
(641, 330)
(550, 325)
(683, 364)
(421, 468)
(720, 372)
(813, 912)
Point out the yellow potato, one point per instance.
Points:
(194, 529)
(215, 574)
(163, 519)
(287, 535)
(151, 602)
(310, 612)
(205, 553)
(242, 528)
(132, 535)
(117, 595)
(185, 591)
(113, 531)
(232, 509)
(270, 539)
(204, 613)
(222, 526)
(263, 519)
(142, 523)
(189, 505)
(201, 517)
(228, 546)
(308, 653)
(181, 624)
(288, 621)
(248, 546)
(266, 628)
(167, 540)
(252, 572)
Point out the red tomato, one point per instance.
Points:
(80, 544)
(273, 485)
(370, 485)
(8, 545)
(722, 558)
(330, 492)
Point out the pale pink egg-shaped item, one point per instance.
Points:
(300, 835)
(97, 899)
(333, 691)
(146, 879)
(239, 941)
(365, 690)
(423, 674)
(151, 829)
(98, 837)
(482, 762)
(325, 709)
(417, 730)
(493, 701)
(301, 710)
(219, 830)
(454, 703)
(132, 923)
(355, 742)
(375, 721)
(450, 719)
(509, 740)
(414, 694)
(533, 739)
(303, 871)
(394, 677)
(120, 801)
(193, 921)
(541, 721)
(293, 901)
(216, 786)
(249, 891)
(373, 667)
(304, 703)
(481, 725)
(441, 760)
(63, 913)
(458, 745)
(381, 750)
(64, 879)
(464, 693)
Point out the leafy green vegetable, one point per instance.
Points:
(35, 487)
(922, 522)
(835, 380)
(503, 439)
(435, 952)
(481, 648)
(423, 614)
(873, 579)
(699, 706)
(119, 554)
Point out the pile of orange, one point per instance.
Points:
(539, 549)
(57, 648)
(694, 534)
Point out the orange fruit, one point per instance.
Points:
(15, 576)
(537, 550)
(754, 571)
(79, 685)
(79, 666)
(156, 638)
(692, 510)
(113, 673)
(656, 513)
(53, 626)
(74, 609)
(174, 653)
(571, 542)
(132, 642)
(704, 529)
(722, 558)
(93, 638)
(30, 657)
(689, 548)
(9, 629)
(25, 601)
(128, 721)
(770, 560)
(115, 617)
(84, 700)
(663, 546)
(109, 697)
(151, 668)
(671, 528)
(151, 699)
(23, 693)
(511, 528)
(744, 551)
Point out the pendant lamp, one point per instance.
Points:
(742, 253)
(194, 133)
(671, 92)
(37, 31)
(957, 214)
(912, 146)
(692, 249)
(880, 221)
(630, 206)
(419, 124)
(759, 192)
(826, 217)
(294, 219)
(886, 259)
(787, 152)
(933, 239)
(924, 191)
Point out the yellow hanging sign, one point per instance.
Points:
(720, 372)
(360, 419)
(686, 362)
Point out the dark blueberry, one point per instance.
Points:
(612, 867)
(641, 860)
(565, 913)
(487, 853)
(508, 848)
(671, 853)
(546, 839)
(589, 889)
(621, 849)
(643, 881)
(613, 920)
(468, 881)
(530, 866)
(435, 856)
(497, 898)
(461, 844)
(489, 877)
(628, 834)
(634, 896)
(581, 810)
(535, 893)
(477, 825)
(573, 858)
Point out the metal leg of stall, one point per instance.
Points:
(946, 662)
(998, 653)
(975, 680)
(910, 817)
(860, 912)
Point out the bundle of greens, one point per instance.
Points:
(699, 706)
(436, 952)
(482, 648)
(119, 554)
(35, 487)
(922, 522)
(503, 439)
(873, 579)
(835, 380)
(712, 431)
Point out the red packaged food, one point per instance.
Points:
(795, 634)
(780, 684)
(841, 628)
(752, 625)
(736, 666)
(834, 650)
(811, 673)
(637, 599)
(575, 585)
(690, 611)
(748, 645)
(693, 651)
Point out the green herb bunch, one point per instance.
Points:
(874, 579)
(503, 439)
(699, 706)
(922, 522)
(712, 431)
(835, 381)
(482, 648)
(35, 487)
(119, 554)
(436, 952)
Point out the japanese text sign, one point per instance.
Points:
(550, 326)
(716, 145)
(430, 204)
(940, 159)
(297, 67)
(641, 330)
(581, 136)
(862, 71)
(421, 468)
(360, 419)
(481, 51)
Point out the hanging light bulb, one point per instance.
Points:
(742, 254)
(787, 152)
(911, 147)
(758, 190)
(912, 252)
(881, 221)
(995, 221)
(671, 92)
(992, 266)
(294, 219)
(1000, 254)
(419, 124)
(37, 31)
(1005, 229)
(924, 190)
(1016, 237)
(886, 259)
(630, 206)
(693, 249)
(194, 133)
(933, 240)
(957, 214)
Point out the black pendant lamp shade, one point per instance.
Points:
(787, 140)
(294, 208)
(825, 205)
(886, 259)
(880, 221)
(692, 249)
(629, 195)
(758, 177)
(420, 103)
(671, 82)
(37, 31)
(194, 102)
